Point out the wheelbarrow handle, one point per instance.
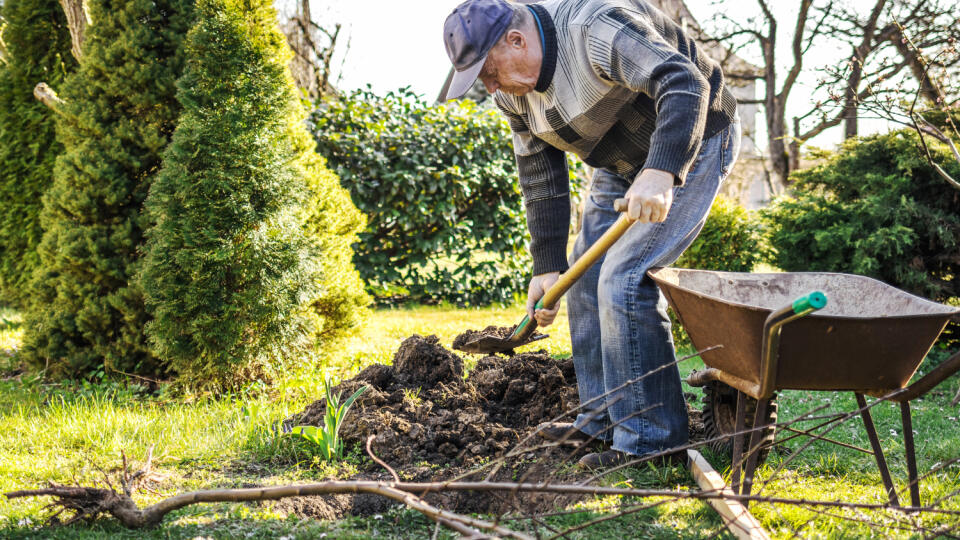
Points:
(770, 348)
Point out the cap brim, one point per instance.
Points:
(462, 81)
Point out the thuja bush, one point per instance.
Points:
(438, 184)
(875, 208)
(37, 49)
(86, 311)
(731, 240)
(247, 261)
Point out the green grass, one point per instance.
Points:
(69, 433)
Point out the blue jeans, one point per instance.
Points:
(618, 317)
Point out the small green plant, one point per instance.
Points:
(413, 396)
(326, 439)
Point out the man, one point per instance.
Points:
(621, 86)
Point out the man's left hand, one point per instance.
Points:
(650, 196)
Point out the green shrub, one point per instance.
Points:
(875, 208)
(439, 187)
(38, 49)
(229, 273)
(87, 312)
(731, 240)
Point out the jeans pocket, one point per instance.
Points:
(607, 188)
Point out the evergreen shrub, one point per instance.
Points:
(38, 50)
(237, 289)
(438, 184)
(875, 208)
(87, 314)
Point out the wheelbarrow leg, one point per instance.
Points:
(753, 450)
(877, 451)
(738, 441)
(907, 422)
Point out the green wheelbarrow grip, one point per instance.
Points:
(810, 302)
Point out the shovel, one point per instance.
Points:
(523, 332)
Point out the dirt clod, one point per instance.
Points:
(498, 332)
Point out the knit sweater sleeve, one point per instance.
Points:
(545, 183)
(625, 49)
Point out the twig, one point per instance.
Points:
(380, 461)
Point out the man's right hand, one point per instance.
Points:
(538, 287)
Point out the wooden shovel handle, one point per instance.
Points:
(591, 256)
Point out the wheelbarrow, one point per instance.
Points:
(806, 331)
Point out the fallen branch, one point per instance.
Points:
(47, 96)
(125, 510)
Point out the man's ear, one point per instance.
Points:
(516, 39)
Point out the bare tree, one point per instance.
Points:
(882, 62)
(763, 34)
(313, 46)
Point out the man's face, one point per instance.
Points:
(510, 67)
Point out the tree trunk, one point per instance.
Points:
(78, 18)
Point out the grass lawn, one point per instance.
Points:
(68, 434)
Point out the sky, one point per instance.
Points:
(394, 43)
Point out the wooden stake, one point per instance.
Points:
(736, 516)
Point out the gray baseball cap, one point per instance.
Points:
(469, 33)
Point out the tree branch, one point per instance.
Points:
(47, 96)
(78, 19)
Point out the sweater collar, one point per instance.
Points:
(548, 34)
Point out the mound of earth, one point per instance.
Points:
(424, 414)
(422, 409)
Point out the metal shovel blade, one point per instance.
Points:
(491, 344)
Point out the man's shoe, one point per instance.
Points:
(602, 460)
(564, 433)
(613, 458)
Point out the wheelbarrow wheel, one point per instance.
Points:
(720, 419)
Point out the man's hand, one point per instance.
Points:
(538, 287)
(650, 196)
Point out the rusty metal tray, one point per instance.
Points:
(870, 337)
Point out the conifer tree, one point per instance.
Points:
(241, 261)
(87, 311)
(37, 50)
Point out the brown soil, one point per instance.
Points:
(431, 423)
(499, 332)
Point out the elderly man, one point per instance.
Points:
(624, 88)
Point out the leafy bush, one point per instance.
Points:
(875, 208)
(439, 187)
(86, 312)
(731, 240)
(38, 49)
(229, 273)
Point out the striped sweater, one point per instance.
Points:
(622, 87)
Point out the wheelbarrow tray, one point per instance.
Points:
(870, 337)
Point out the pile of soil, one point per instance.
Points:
(422, 408)
(431, 424)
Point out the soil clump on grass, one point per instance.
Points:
(499, 332)
(431, 423)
